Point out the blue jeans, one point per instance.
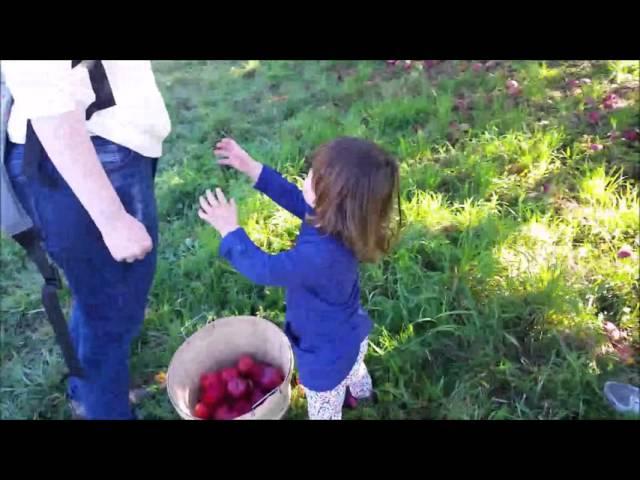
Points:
(108, 297)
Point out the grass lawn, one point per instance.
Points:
(504, 297)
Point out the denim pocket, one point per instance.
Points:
(111, 155)
(14, 162)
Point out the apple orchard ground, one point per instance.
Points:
(504, 297)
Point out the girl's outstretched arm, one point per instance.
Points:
(282, 270)
(281, 191)
(265, 179)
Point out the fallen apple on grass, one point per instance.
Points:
(513, 88)
(625, 252)
(511, 84)
(610, 102)
(630, 135)
(593, 117)
(573, 84)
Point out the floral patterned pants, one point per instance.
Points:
(328, 405)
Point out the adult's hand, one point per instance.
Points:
(126, 238)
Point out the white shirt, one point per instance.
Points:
(40, 88)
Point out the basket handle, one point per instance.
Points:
(287, 380)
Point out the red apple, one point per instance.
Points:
(514, 92)
(612, 331)
(202, 411)
(245, 365)
(511, 84)
(572, 84)
(214, 394)
(610, 101)
(229, 373)
(256, 372)
(593, 117)
(271, 378)
(237, 387)
(630, 135)
(224, 412)
(242, 407)
(625, 252)
(625, 353)
(209, 378)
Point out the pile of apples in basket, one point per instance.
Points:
(231, 392)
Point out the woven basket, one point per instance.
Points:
(219, 344)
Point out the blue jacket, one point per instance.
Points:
(324, 322)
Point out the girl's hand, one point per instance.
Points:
(217, 212)
(231, 154)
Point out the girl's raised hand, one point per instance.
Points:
(231, 154)
(218, 212)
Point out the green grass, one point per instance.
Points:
(491, 306)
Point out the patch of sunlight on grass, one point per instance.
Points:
(530, 149)
(172, 179)
(248, 68)
(549, 73)
(596, 187)
(472, 213)
(535, 250)
(606, 223)
(388, 342)
(624, 70)
(428, 208)
(561, 321)
(273, 232)
(406, 334)
(538, 232)
(413, 152)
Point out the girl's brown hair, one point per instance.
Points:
(354, 181)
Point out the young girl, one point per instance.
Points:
(345, 206)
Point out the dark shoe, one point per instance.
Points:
(351, 402)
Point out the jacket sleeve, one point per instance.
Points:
(282, 269)
(281, 191)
